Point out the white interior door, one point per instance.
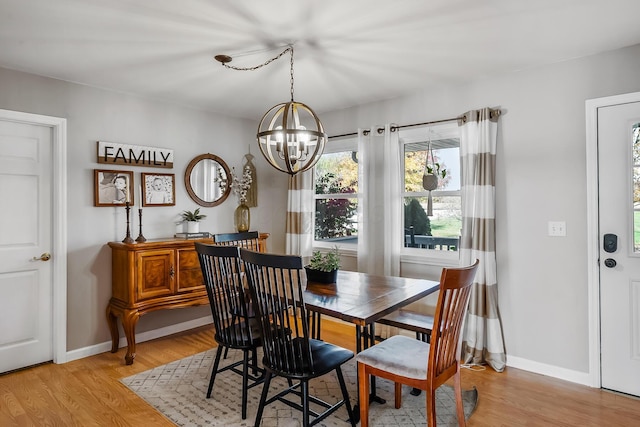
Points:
(619, 216)
(26, 280)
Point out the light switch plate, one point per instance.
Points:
(557, 228)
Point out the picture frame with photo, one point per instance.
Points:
(158, 189)
(112, 187)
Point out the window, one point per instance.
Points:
(635, 146)
(441, 230)
(336, 194)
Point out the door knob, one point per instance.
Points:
(44, 257)
(610, 262)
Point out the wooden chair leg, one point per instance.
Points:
(263, 398)
(431, 407)
(214, 371)
(363, 395)
(457, 388)
(398, 394)
(305, 403)
(245, 383)
(345, 396)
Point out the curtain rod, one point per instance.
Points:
(433, 122)
(394, 128)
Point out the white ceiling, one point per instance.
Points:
(347, 52)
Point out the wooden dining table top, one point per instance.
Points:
(362, 298)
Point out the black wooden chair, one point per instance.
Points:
(248, 240)
(221, 269)
(289, 351)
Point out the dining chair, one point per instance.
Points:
(247, 239)
(275, 283)
(221, 269)
(418, 364)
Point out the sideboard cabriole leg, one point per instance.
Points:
(113, 328)
(129, 320)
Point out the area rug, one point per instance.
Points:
(178, 390)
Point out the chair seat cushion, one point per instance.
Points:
(399, 355)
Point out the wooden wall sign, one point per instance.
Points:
(113, 153)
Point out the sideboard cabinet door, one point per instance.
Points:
(189, 271)
(155, 275)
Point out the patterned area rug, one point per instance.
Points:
(178, 390)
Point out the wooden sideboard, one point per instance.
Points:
(155, 275)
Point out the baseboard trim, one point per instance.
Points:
(141, 337)
(557, 372)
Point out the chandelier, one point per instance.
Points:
(290, 135)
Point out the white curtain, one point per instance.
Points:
(393, 223)
(299, 222)
(366, 168)
(482, 339)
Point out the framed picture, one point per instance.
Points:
(158, 189)
(112, 188)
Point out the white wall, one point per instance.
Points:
(93, 114)
(542, 280)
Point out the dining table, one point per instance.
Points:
(362, 299)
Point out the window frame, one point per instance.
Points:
(421, 255)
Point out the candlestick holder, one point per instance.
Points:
(127, 238)
(141, 238)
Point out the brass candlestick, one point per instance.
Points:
(127, 238)
(141, 238)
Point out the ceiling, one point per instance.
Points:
(346, 52)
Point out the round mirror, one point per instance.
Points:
(207, 180)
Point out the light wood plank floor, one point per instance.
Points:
(88, 392)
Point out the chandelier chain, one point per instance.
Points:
(267, 62)
(291, 47)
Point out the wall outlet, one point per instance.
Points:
(557, 228)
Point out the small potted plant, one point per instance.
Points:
(323, 266)
(193, 220)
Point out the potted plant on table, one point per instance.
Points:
(323, 266)
(193, 220)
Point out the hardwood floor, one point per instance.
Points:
(88, 392)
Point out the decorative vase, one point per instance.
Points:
(320, 276)
(193, 227)
(242, 217)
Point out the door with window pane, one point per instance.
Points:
(619, 223)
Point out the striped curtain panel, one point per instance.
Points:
(482, 341)
(299, 226)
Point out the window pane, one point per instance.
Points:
(441, 231)
(636, 185)
(446, 157)
(337, 173)
(336, 220)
